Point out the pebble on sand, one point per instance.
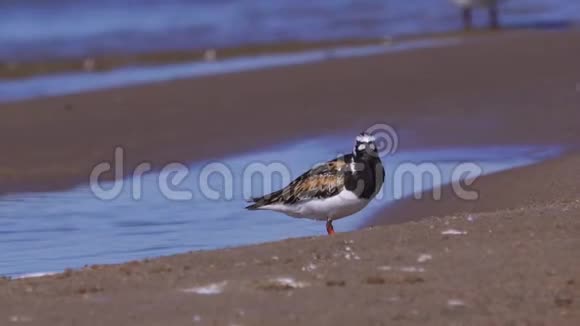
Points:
(20, 319)
(455, 303)
(282, 283)
(210, 55)
(210, 289)
(453, 232)
(424, 258)
(406, 269)
(309, 268)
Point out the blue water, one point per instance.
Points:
(42, 232)
(67, 83)
(51, 231)
(32, 29)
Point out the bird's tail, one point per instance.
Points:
(253, 207)
(258, 202)
(255, 203)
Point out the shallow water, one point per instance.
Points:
(52, 231)
(32, 29)
(67, 83)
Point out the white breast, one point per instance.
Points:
(344, 204)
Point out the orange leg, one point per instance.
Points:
(329, 227)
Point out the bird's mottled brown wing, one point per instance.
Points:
(323, 181)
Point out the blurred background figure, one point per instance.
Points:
(62, 29)
(467, 7)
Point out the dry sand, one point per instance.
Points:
(508, 259)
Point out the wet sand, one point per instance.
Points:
(556, 180)
(509, 89)
(501, 267)
(514, 265)
(114, 61)
(104, 62)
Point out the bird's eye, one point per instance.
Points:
(372, 146)
(361, 147)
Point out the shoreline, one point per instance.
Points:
(505, 259)
(435, 89)
(15, 70)
(526, 186)
(484, 268)
(78, 82)
(499, 191)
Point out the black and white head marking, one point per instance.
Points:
(365, 145)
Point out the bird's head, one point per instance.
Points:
(365, 146)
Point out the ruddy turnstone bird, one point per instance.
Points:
(332, 190)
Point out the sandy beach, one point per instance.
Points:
(502, 267)
(506, 259)
(523, 85)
